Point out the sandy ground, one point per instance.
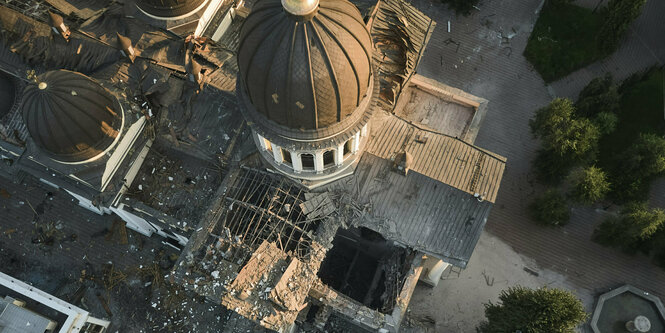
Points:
(456, 304)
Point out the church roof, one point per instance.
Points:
(69, 116)
(169, 8)
(448, 160)
(305, 71)
(7, 93)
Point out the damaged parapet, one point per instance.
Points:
(271, 288)
(126, 48)
(195, 73)
(58, 25)
(263, 293)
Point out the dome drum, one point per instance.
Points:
(304, 139)
(170, 9)
(320, 165)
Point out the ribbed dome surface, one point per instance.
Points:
(169, 8)
(305, 73)
(7, 93)
(70, 117)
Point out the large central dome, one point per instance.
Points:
(305, 66)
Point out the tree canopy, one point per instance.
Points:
(550, 208)
(533, 311)
(562, 132)
(600, 95)
(633, 229)
(618, 16)
(590, 185)
(646, 156)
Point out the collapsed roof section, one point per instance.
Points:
(415, 210)
(400, 33)
(262, 206)
(255, 251)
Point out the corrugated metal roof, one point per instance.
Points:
(446, 159)
(418, 211)
(15, 319)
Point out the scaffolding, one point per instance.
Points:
(262, 206)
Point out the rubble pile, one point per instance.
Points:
(176, 187)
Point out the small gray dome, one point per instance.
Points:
(305, 72)
(70, 117)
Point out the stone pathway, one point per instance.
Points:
(483, 55)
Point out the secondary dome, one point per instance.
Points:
(169, 9)
(70, 117)
(7, 93)
(304, 68)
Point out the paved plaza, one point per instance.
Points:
(482, 55)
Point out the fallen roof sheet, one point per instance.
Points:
(443, 158)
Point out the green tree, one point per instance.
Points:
(550, 168)
(606, 122)
(636, 166)
(550, 209)
(563, 133)
(646, 156)
(618, 16)
(533, 311)
(590, 185)
(600, 95)
(632, 230)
